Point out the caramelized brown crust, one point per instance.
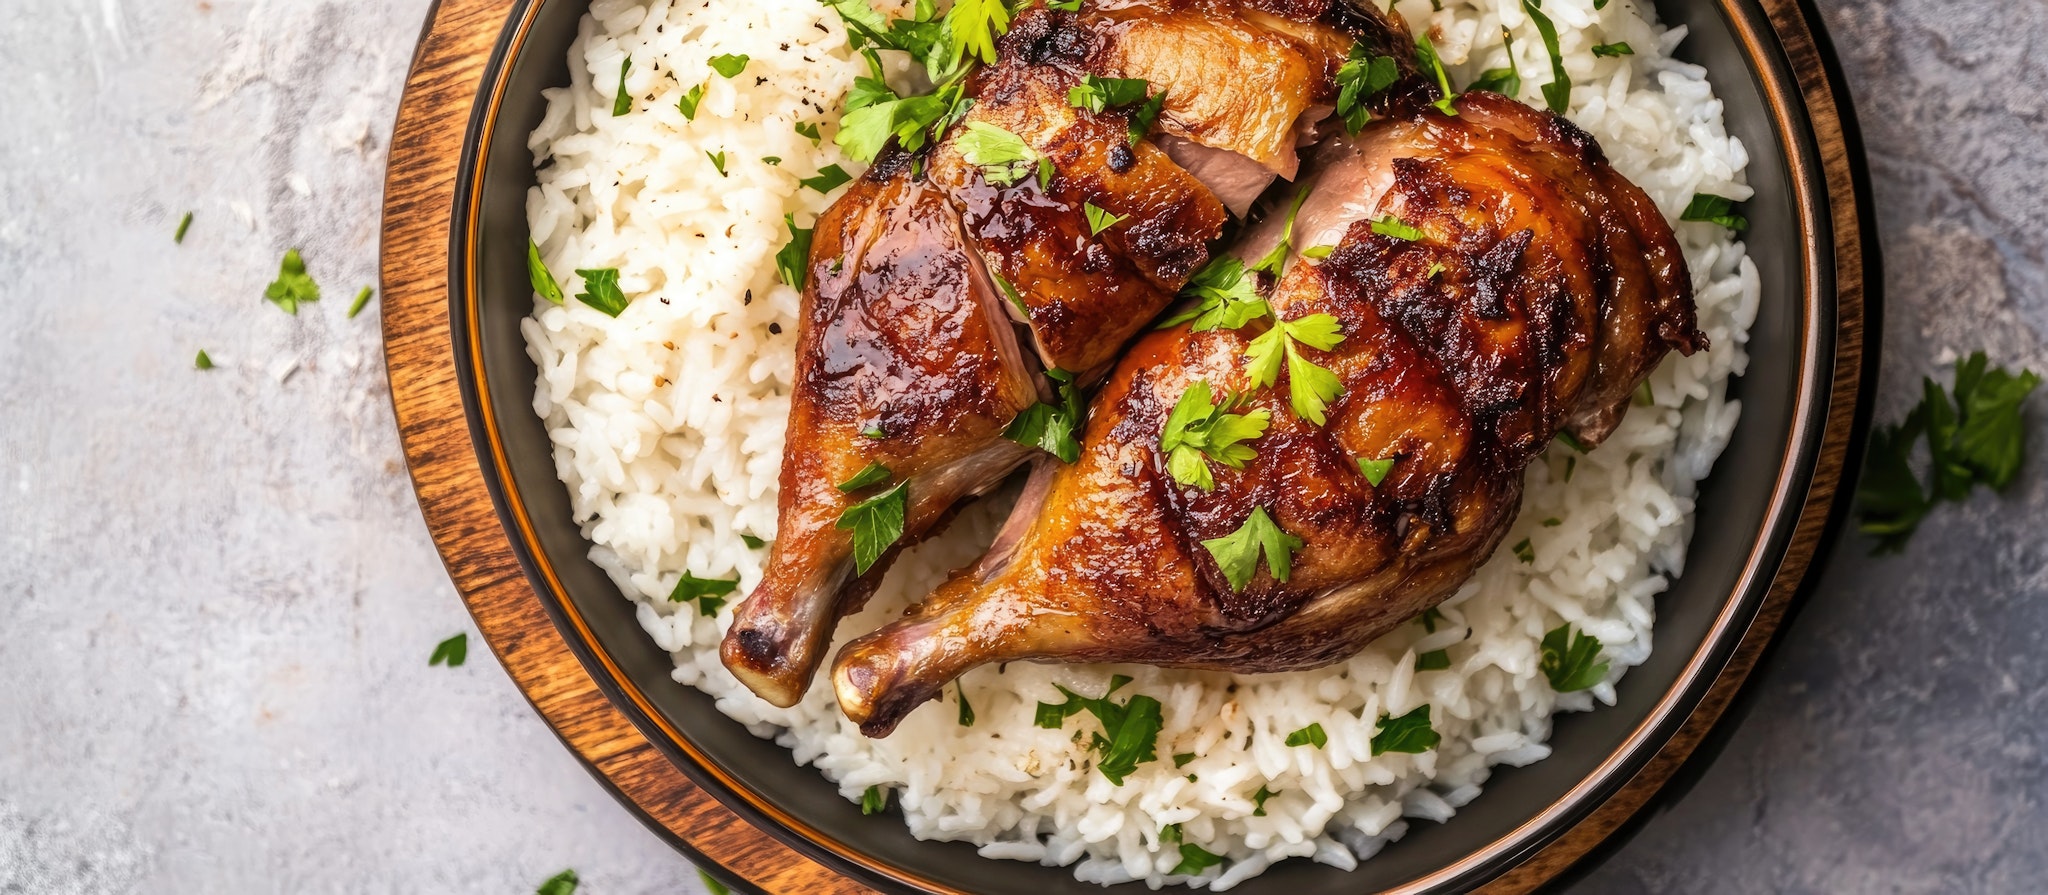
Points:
(1536, 298)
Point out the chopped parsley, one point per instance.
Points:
(563, 883)
(694, 96)
(707, 593)
(775, 160)
(717, 160)
(1097, 94)
(1978, 437)
(1310, 388)
(829, 178)
(451, 652)
(1525, 551)
(1099, 219)
(544, 284)
(874, 474)
(966, 711)
(1317, 253)
(1228, 298)
(793, 261)
(601, 290)
(1504, 81)
(752, 542)
(184, 224)
(1571, 659)
(1144, 116)
(1003, 157)
(1130, 730)
(362, 299)
(1361, 77)
(1180, 760)
(1558, 93)
(876, 523)
(1711, 209)
(874, 801)
(202, 361)
(1425, 55)
(622, 101)
(1409, 733)
(1311, 735)
(1613, 50)
(1054, 428)
(1199, 430)
(1434, 660)
(1375, 471)
(292, 285)
(1237, 553)
(729, 65)
(803, 129)
(1194, 860)
(1396, 228)
(1277, 258)
(1259, 800)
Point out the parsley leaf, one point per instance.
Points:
(804, 129)
(1143, 117)
(202, 362)
(1524, 551)
(1099, 219)
(1180, 760)
(1259, 800)
(1310, 388)
(975, 25)
(730, 64)
(1712, 209)
(1130, 730)
(793, 262)
(1409, 733)
(1504, 81)
(1396, 228)
(292, 285)
(601, 290)
(1375, 471)
(1237, 553)
(1195, 859)
(544, 284)
(1434, 660)
(1613, 50)
(688, 104)
(1558, 93)
(1979, 437)
(874, 801)
(362, 300)
(863, 132)
(1991, 437)
(1571, 659)
(752, 542)
(1003, 157)
(706, 592)
(184, 224)
(829, 178)
(717, 160)
(1199, 430)
(1054, 428)
(622, 102)
(1425, 55)
(966, 711)
(1229, 299)
(876, 523)
(1361, 77)
(1311, 735)
(1097, 94)
(1277, 258)
(563, 883)
(453, 652)
(874, 474)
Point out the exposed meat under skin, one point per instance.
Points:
(1544, 288)
(906, 331)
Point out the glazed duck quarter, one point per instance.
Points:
(957, 297)
(1296, 467)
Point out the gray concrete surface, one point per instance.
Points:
(218, 598)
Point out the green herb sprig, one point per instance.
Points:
(1130, 730)
(1975, 434)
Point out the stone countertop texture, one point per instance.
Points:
(218, 596)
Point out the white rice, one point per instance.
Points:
(668, 428)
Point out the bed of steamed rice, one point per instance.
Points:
(668, 423)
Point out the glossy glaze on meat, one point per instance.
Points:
(907, 356)
(1544, 288)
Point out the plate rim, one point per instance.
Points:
(631, 749)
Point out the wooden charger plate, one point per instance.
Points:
(456, 458)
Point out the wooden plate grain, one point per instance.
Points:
(458, 462)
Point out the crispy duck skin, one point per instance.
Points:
(1544, 287)
(907, 334)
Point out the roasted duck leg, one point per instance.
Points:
(1492, 282)
(909, 369)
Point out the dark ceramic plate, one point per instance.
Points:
(1757, 523)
